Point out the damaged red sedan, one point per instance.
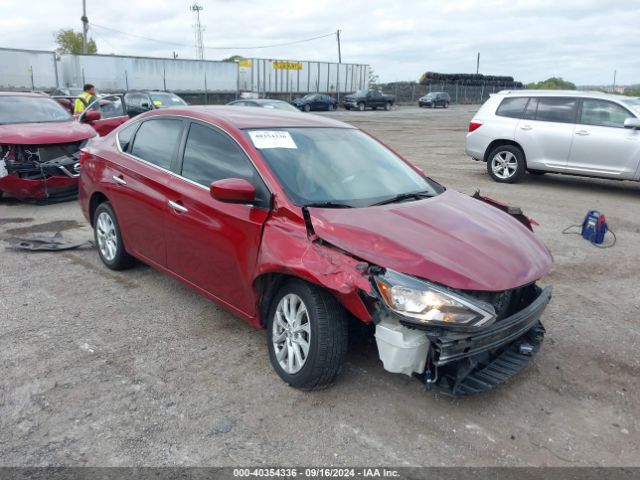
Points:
(39, 147)
(300, 224)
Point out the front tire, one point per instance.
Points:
(108, 240)
(506, 164)
(307, 335)
(446, 105)
(387, 106)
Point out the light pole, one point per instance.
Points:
(85, 26)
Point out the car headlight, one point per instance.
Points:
(425, 303)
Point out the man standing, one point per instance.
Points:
(85, 98)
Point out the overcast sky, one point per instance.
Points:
(580, 40)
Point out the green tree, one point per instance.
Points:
(233, 58)
(373, 79)
(71, 42)
(632, 91)
(553, 83)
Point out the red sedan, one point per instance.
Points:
(300, 224)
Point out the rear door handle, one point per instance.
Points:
(119, 180)
(582, 133)
(526, 127)
(177, 207)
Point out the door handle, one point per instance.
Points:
(177, 207)
(582, 133)
(526, 127)
(119, 180)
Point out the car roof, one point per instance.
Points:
(22, 94)
(563, 93)
(250, 117)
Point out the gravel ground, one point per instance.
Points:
(102, 368)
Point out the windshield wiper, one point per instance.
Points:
(404, 196)
(327, 205)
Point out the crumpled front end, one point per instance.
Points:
(466, 360)
(40, 172)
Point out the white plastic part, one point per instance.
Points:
(401, 349)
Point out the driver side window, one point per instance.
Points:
(210, 155)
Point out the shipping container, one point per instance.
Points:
(27, 69)
(115, 73)
(265, 76)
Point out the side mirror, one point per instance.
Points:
(91, 116)
(145, 105)
(233, 190)
(632, 122)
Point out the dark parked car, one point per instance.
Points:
(264, 103)
(39, 147)
(363, 99)
(300, 224)
(140, 101)
(435, 99)
(315, 101)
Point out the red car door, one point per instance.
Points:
(112, 114)
(138, 182)
(211, 244)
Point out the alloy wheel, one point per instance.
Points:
(504, 164)
(291, 333)
(106, 235)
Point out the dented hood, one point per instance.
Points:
(45, 133)
(451, 239)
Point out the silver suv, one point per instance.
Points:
(571, 132)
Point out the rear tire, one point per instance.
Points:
(506, 164)
(446, 105)
(387, 106)
(332, 107)
(307, 108)
(108, 240)
(321, 329)
(361, 107)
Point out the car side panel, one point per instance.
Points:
(605, 152)
(546, 145)
(140, 204)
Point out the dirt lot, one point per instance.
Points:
(105, 368)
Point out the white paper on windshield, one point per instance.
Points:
(271, 139)
(3, 168)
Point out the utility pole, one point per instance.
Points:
(614, 81)
(478, 64)
(339, 53)
(198, 27)
(85, 26)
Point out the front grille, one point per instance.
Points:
(507, 302)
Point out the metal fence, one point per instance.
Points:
(28, 69)
(459, 91)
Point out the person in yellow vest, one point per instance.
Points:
(85, 98)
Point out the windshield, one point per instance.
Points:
(280, 106)
(19, 109)
(163, 99)
(337, 165)
(361, 93)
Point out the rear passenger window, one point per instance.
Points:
(603, 113)
(157, 140)
(512, 107)
(555, 109)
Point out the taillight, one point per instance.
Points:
(473, 126)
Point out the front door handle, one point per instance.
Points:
(119, 180)
(177, 207)
(582, 133)
(526, 127)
